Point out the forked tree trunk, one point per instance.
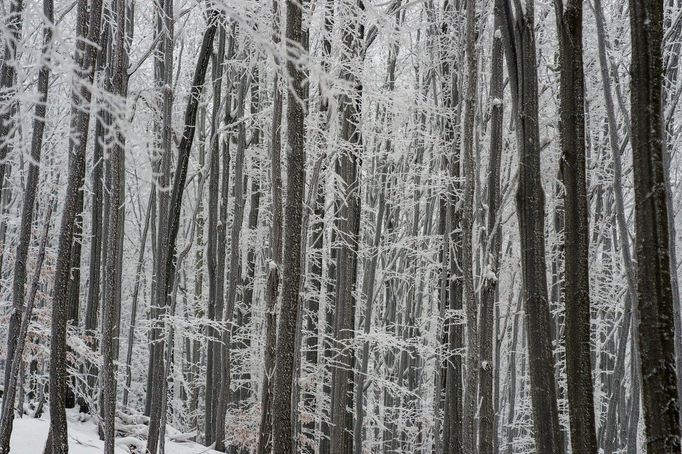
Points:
(169, 242)
(654, 290)
(519, 34)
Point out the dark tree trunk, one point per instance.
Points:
(283, 427)
(576, 227)
(169, 241)
(467, 227)
(8, 90)
(487, 432)
(211, 247)
(348, 169)
(654, 290)
(519, 35)
(19, 278)
(80, 117)
(10, 388)
(111, 307)
(272, 285)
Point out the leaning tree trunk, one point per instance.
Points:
(519, 35)
(576, 228)
(19, 278)
(654, 290)
(283, 426)
(169, 240)
(80, 118)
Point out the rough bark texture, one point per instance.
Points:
(283, 425)
(211, 247)
(519, 36)
(8, 85)
(487, 433)
(19, 278)
(168, 259)
(467, 263)
(80, 116)
(654, 290)
(576, 227)
(111, 307)
(348, 166)
(272, 286)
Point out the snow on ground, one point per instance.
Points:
(29, 435)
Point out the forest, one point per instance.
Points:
(340, 226)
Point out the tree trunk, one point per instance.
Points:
(80, 116)
(467, 263)
(348, 169)
(10, 388)
(169, 240)
(576, 228)
(492, 251)
(519, 35)
(282, 431)
(8, 92)
(654, 290)
(19, 278)
(272, 285)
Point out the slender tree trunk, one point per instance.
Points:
(654, 290)
(80, 116)
(8, 91)
(235, 271)
(487, 365)
(272, 285)
(15, 368)
(169, 242)
(519, 36)
(136, 293)
(19, 277)
(283, 429)
(211, 246)
(348, 169)
(467, 264)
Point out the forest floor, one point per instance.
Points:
(29, 436)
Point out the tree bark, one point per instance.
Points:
(80, 116)
(32, 180)
(272, 285)
(576, 227)
(283, 429)
(8, 90)
(519, 35)
(169, 242)
(654, 290)
(487, 364)
(348, 224)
